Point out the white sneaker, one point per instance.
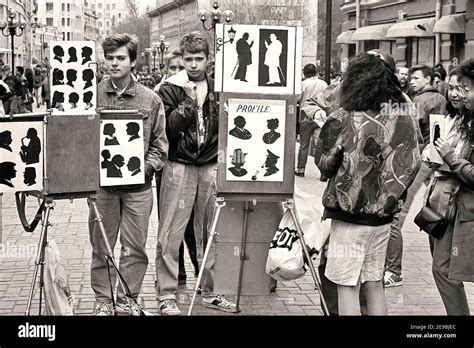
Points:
(103, 309)
(219, 302)
(169, 308)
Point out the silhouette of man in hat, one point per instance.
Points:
(270, 163)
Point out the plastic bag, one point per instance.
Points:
(285, 258)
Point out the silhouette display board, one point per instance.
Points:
(256, 144)
(260, 59)
(72, 78)
(122, 150)
(437, 130)
(21, 154)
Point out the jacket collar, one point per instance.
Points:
(130, 90)
(429, 89)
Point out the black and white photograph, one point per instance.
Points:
(121, 152)
(255, 141)
(259, 59)
(73, 80)
(21, 156)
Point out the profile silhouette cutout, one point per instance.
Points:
(106, 156)
(7, 173)
(238, 160)
(30, 147)
(72, 55)
(134, 165)
(86, 54)
(239, 131)
(271, 136)
(58, 77)
(109, 131)
(113, 171)
(71, 75)
(58, 53)
(6, 140)
(436, 132)
(73, 99)
(58, 100)
(29, 176)
(132, 129)
(87, 99)
(270, 163)
(88, 76)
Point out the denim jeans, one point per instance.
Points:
(129, 212)
(306, 131)
(393, 262)
(183, 187)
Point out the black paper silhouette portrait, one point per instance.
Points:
(58, 77)
(88, 76)
(238, 160)
(30, 147)
(6, 140)
(73, 99)
(58, 53)
(132, 129)
(271, 136)
(239, 131)
(29, 176)
(436, 132)
(113, 170)
(86, 54)
(87, 99)
(7, 173)
(72, 55)
(106, 156)
(134, 165)
(244, 56)
(273, 59)
(109, 131)
(58, 100)
(270, 163)
(71, 75)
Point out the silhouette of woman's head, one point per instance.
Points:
(58, 51)
(7, 170)
(86, 52)
(109, 129)
(273, 123)
(73, 98)
(118, 160)
(58, 97)
(72, 54)
(132, 128)
(58, 75)
(87, 98)
(71, 75)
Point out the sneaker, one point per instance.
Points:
(299, 172)
(169, 308)
(104, 309)
(219, 302)
(391, 279)
(126, 309)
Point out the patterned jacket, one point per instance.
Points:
(370, 161)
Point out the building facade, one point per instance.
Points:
(415, 32)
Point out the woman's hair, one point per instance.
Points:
(174, 54)
(112, 42)
(452, 111)
(368, 83)
(466, 126)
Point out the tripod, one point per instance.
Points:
(290, 205)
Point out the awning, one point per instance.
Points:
(452, 24)
(417, 28)
(371, 32)
(345, 37)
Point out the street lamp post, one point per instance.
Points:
(160, 49)
(215, 16)
(12, 27)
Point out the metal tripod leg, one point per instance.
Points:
(39, 261)
(243, 255)
(290, 204)
(220, 203)
(110, 253)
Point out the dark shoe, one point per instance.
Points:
(299, 172)
(244, 80)
(182, 279)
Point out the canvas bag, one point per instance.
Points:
(285, 258)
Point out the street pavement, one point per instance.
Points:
(417, 296)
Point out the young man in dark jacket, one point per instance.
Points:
(190, 173)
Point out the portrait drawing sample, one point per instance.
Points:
(87, 99)
(58, 53)
(88, 76)
(71, 75)
(133, 165)
(109, 131)
(72, 55)
(239, 131)
(270, 163)
(58, 100)
(29, 176)
(6, 140)
(30, 147)
(113, 170)
(244, 57)
(7, 173)
(106, 156)
(273, 60)
(132, 129)
(73, 99)
(58, 77)
(238, 160)
(86, 54)
(271, 136)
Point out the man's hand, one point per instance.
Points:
(190, 89)
(442, 147)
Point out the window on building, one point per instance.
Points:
(63, 22)
(49, 6)
(68, 7)
(99, 6)
(49, 22)
(107, 6)
(64, 36)
(107, 24)
(63, 7)
(99, 23)
(120, 15)
(100, 15)
(68, 36)
(69, 22)
(113, 6)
